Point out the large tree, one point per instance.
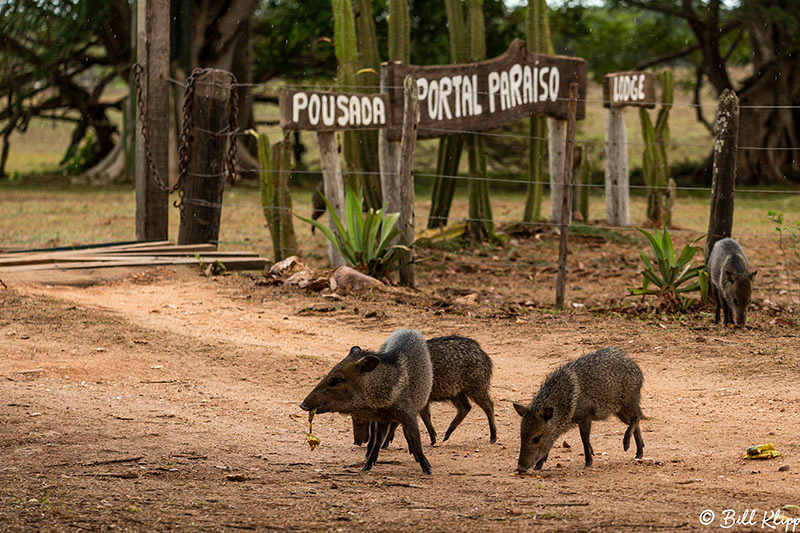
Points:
(770, 97)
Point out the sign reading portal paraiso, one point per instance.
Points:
(453, 98)
(632, 88)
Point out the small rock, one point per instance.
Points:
(784, 468)
(24, 336)
(236, 477)
(346, 279)
(287, 266)
(469, 299)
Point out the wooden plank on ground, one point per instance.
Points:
(231, 263)
(144, 256)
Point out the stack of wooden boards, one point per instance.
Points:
(130, 254)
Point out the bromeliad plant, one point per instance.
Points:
(671, 277)
(365, 242)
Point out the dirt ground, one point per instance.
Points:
(166, 400)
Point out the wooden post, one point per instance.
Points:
(723, 176)
(389, 155)
(566, 197)
(333, 185)
(617, 178)
(152, 52)
(557, 137)
(407, 146)
(205, 180)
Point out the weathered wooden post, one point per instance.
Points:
(406, 196)
(204, 182)
(565, 209)
(389, 150)
(152, 53)
(556, 139)
(620, 89)
(333, 185)
(723, 176)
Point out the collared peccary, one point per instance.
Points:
(391, 385)
(317, 203)
(592, 387)
(461, 371)
(731, 281)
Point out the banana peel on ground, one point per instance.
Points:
(312, 441)
(763, 451)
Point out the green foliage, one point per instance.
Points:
(655, 165)
(364, 239)
(217, 268)
(789, 237)
(276, 202)
(673, 276)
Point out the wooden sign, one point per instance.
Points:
(488, 94)
(329, 111)
(631, 88)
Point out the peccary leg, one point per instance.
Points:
(585, 427)
(637, 435)
(718, 299)
(411, 429)
(375, 448)
(463, 406)
(425, 414)
(390, 435)
(726, 309)
(485, 403)
(540, 464)
(373, 437)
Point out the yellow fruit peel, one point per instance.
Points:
(763, 451)
(312, 441)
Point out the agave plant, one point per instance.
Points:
(365, 240)
(673, 277)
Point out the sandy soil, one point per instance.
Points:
(168, 401)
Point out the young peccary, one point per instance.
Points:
(317, 203)
(461, 371)
(731, 281)
(392, 385)
(592, 387)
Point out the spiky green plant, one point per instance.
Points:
(364, 239)
(537, 37)
(276, 202)
(655, 165)
(399, 31)
(674, 277)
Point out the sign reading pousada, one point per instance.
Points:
(488, 94)
(327, 111)
(631, 88)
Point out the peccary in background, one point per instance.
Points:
(592, 387)
(317, 203)
(461, 371)
(392, 385)
(731, 281)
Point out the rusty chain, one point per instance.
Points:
(186, 131)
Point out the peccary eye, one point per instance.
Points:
(536, 439)
(334, 381)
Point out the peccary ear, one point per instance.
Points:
(753, 275)
(354, 351)
(547, 413)
(521, 409)
(369, 363)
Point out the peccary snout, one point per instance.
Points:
(536, 437)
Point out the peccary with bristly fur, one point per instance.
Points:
(592, 387)
(461, 372)
(731, 281)
(391, 385)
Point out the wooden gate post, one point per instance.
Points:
(205, 180)
(152, 53)
(565, 209)
(617, 178)
(389, 154)
(333, 185)
(557, 137)
(406, 196)
(723, 176)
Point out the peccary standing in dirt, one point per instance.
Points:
(592, 387)
(317, 203)
(731, 281)
(391, 385)
(461, 371)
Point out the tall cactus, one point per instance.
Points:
(537, 35)
(399, 31)
(450, 146)
(655, 165)
(367, 78)
(276, 202)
